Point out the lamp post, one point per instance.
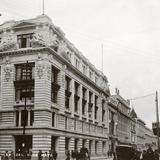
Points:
(25, 101)
(157, 116)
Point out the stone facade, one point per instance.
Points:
(51, 96)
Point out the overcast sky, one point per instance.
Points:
(129, 31)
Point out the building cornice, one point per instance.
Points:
(51, 51)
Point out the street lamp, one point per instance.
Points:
(25, 100)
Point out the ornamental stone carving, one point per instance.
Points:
(39, 38)
(42, 37)
(8, 42)
(63, 51)
(7, 69)
(49, 72)
(40, 67)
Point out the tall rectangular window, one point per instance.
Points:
(96, 107)
(90, 104)
(76, 97)
(103, 110)
(24, 40)
(25, 71)
(84, 101)
(53, 119)
(54, 84)
(67, 91)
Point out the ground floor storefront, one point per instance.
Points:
(27, 146)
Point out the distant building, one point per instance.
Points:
(112, 123)
(123, 120)
(50, 92)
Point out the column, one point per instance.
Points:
(80, 102)
(72, 98)
(71, 144)
(19, 123)
(93, 148)
(61, 148)
(87, 104)
(29, 117)
(93, 107)
(99, 114)
(61, 92)
(79, 144)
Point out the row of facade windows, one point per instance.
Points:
(24, 90)
(24, 41)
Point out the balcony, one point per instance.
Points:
(22, 103)
(23, 83)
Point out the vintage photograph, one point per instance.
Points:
(79, 79)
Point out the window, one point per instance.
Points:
(31, 117)
(24, 117)
(90, 104)
(84, 101)
(24, 40)
(96, 107)
(84, 69)
(90, 74)
(54, 75)
(66, 123)
(53, 142)
(66, 143)
(76, 97)
(25, 71)
(53, 119)
(54, 85)
(75, 144)
(104, 147)
(67, 91)
(77, 63)
(103, 111)
(17, 118)
(96, 147)
(22, 93)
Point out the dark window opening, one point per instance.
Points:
(17, 118)
(67, 91)
(24, 117)
(96, 107)
(22, 93)
(53, 119)
(25, 71)
(24, 40)
(54, 77)
(66, 143)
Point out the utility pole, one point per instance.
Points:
(157, 116)
(42, 7)
(102, 56)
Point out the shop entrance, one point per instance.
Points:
(23, 146)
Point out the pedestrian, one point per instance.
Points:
(54, 154)
(144, 155)
(12, 156)
(6, 155)
(67, 154)
(45, 156)
(114, 156)
(156, 155)
(50, 156)
(149, 154)
(40, 155)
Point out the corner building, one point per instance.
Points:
(51, 96)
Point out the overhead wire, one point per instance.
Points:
(142, 97)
